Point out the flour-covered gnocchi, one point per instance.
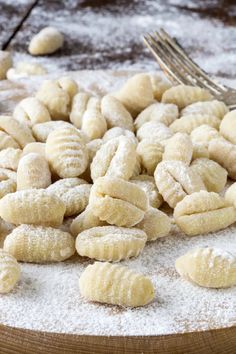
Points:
(203, 212)
(85, 220)
(37, 148)
(110, 243)
(150, 153)
(38, 244)
(154, 130)
(7, 186)
(117, 201)
(215, 108)
(209, 267)
(31, 111)
(47, 41)
(115, 284)
(19, 131)
(147, 183)
(9, 272)
(204, 134)
(224, 152)
(159, 85)
(179, 147)
(42, 130)
(188, 123)
(228, 126)
(118, 131)
(25, 69)
(9, 158)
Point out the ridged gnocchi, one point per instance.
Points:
(179, 147)
(215, 108)
(42, 130)
(47, 41)
(9, 272)
(110, 243)
(118, 131)
(204, 134)
(38, 244)
(147, 183)
(187, 124)
(115, 284)
(117, 201)
(9, 158)
(31, 111)
(154, 130)
(224, 152)
(209, 267)
(19, 131)
(228, 126)
(203, 212)
(85, 220)
(150, 153)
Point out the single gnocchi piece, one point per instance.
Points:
(25, 69)
(147, 183)
(175, 180)
(115, 284)
(179, 147)
(159, 85)
(37, 148)
(118, 131)
(85, 220)
(31, 111)
(38, 244)
(33, 172)
(203, 212)
(228, 127)
(5, 63)
(154, 130)
(136, 94)
(117, 201)
(215, 108)
(224, 153)
(86, 114)
(155, 224)
(42, 130)
(47, 41)
(66, 152)
(7, 141)
(208, 267)
(116, 114)
(157, 112)
(204, 134)
(150, 153)
(69, 85)
(115, 158)
(110, 243)
(7, 186)
(213, 175)
(33, 206)
(184, 95)
(9, 158)
(9, 272)
(199, 151)
(93, 146)
(230, 194)
(19, 131)
(74, 192)
(187, 124)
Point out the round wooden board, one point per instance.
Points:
(22, 341)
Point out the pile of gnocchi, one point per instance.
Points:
(109, 164)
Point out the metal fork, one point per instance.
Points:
(181, 69)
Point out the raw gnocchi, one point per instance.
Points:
(224, 152)
(9, 272)
(19, 131)
(9, 158)
(147, 183)
(85, 220)
(204, 134)
(154, 130)
(187, 124)
(215, 108)
(179, 147)
(150, 153)
(47, 41)
(115, 284)
(31, 111)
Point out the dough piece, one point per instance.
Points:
(203, 212)
(6, 187)
(116, 114)
(19, 131)
(110, 243)
(136, 94)
(38, 148)
(33, 206)
(66, 152)
(85, 220)
(175, 180)
(213, 175)
(55, 98)
(147, 183)
(25, 69)
(7, 141)
(155, 224)
(179, 147)
(31, 111)
(157, 112)
(230, 194)
(184, 95)
(116, 132)
(9, 272)
(5, 174)
(187, 124)
(69, 85)
(33, 172)
(116, 158)
(204, 134)
(117, 201)
(199, 151)
(228, 126)
(224, 153)
(74, 192)
(153, 130)
(213, 108)
(159, 85)
(209, 267)
(47, 41)
(9, 158)
(93, 146)
(86, 114)
(38, 244)
(115, 284)
(5, 63)
(42, 130)
(150, 153)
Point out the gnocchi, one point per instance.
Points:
(187, 124)
(47, 41)
(9, 272)
(228, 126)
(224, 153)
(31, 111)
(215, 108)
(150, 153)
(179, 147)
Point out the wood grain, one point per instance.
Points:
(20, 341)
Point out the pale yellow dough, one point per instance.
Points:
(9, 272)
